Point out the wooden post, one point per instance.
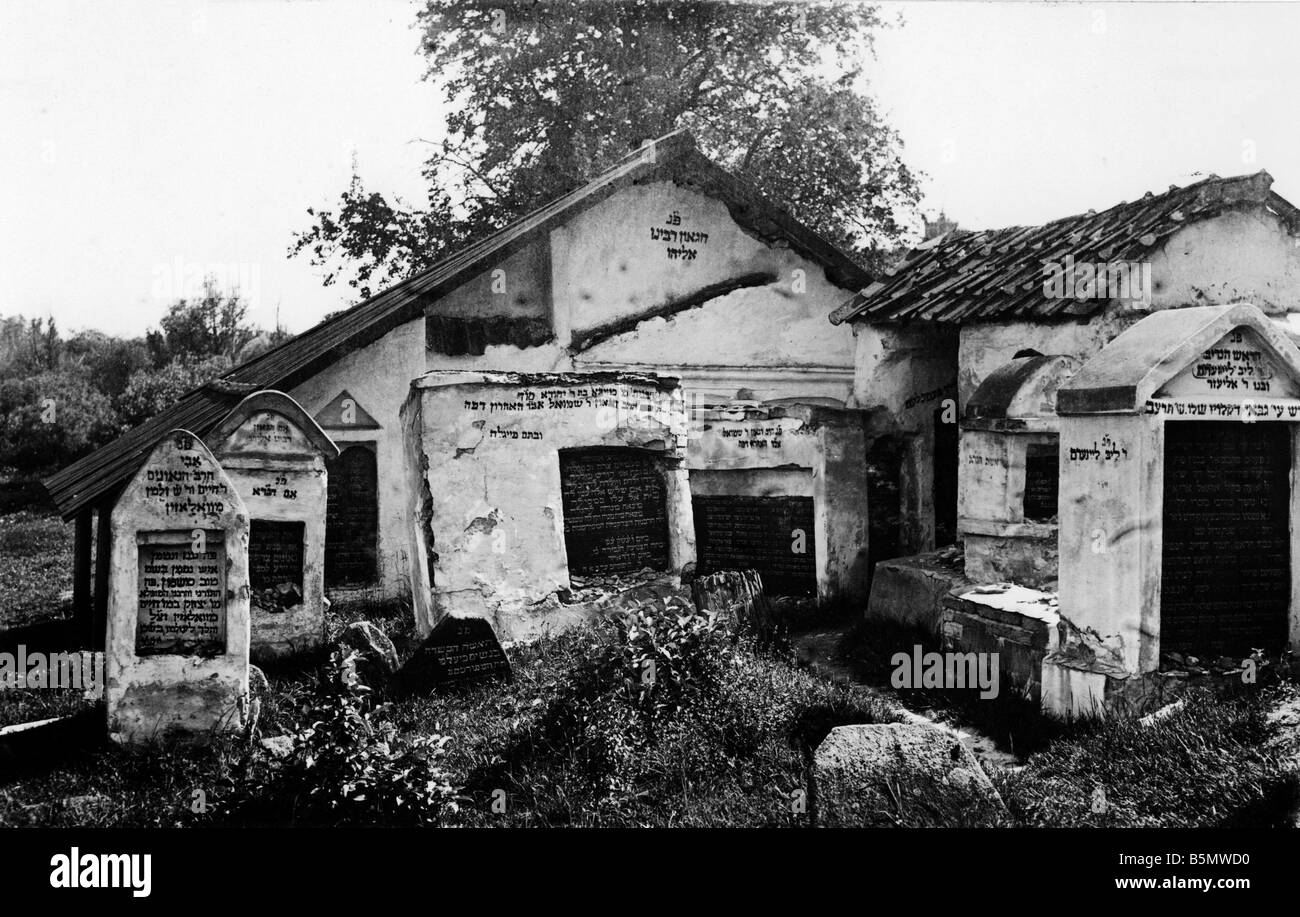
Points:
(82, 612)
(103, 560)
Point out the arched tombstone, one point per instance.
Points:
(177, 644)
(1179, 445)
(276, 457)
(1010, 474)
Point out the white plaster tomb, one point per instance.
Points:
(1178, 508)
(1007, 505)
(275, 455)
(782, 488)
(178, 602)
(527, 480)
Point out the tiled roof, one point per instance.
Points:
(98, 475)
(998, 273)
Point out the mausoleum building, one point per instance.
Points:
(664, 265)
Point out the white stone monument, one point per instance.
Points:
(1177, 503)
(275, 455)
(178, 601)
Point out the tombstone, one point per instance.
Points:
(352, 504)
(459, 653)
(531, 488)
(780, 488)
(276, 456)
(1009, 476)
(1178, 452)
(352, 517)
(178, 600)
(742, 531)
(615, 514)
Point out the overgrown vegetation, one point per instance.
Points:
(664, 717)
(35, 570)
(1204, 765)
(347, 766)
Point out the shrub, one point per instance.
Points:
(52, 418)
(150, 391)
(662, 654)
(348, 767)
(717, 737)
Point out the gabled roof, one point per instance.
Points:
(673, 156)
(1131, 369)
(998, 273)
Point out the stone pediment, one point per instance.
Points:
(269, 423)
(1203, 354)
(346, 413)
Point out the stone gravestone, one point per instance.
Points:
(178, 601)
(460, 652)
(275, 455)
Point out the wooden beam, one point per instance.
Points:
(103, 560)
(82, 610)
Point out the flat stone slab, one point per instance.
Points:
(1008, 597)
(901, 773)
(911, 590)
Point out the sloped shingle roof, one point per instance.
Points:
(674, 156)
(998, 273)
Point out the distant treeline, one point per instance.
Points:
(61, 398)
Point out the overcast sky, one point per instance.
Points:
(144, 143)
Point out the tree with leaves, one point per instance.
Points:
(210, 325)
(543, 96)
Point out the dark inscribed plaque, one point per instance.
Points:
(1225, 586)
(459, 652)
(759, 533)
(615, 511)
(182, 595)
(275, 564)
(352, 517)
(1042, 481)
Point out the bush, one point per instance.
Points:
(151, 391)
(661, 654)
(718, 736)
(348, 768)
(52, 418)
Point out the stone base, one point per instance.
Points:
(283, 635)
(177, 698)
(1017, 623)
(1073, 692)
(911, 590)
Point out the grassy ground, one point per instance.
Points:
(1207, 764)
(563, 744)
(35, 569)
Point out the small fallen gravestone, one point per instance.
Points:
(460, 652)
(901, 773)
(178, 599)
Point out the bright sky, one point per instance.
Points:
(144, 143)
